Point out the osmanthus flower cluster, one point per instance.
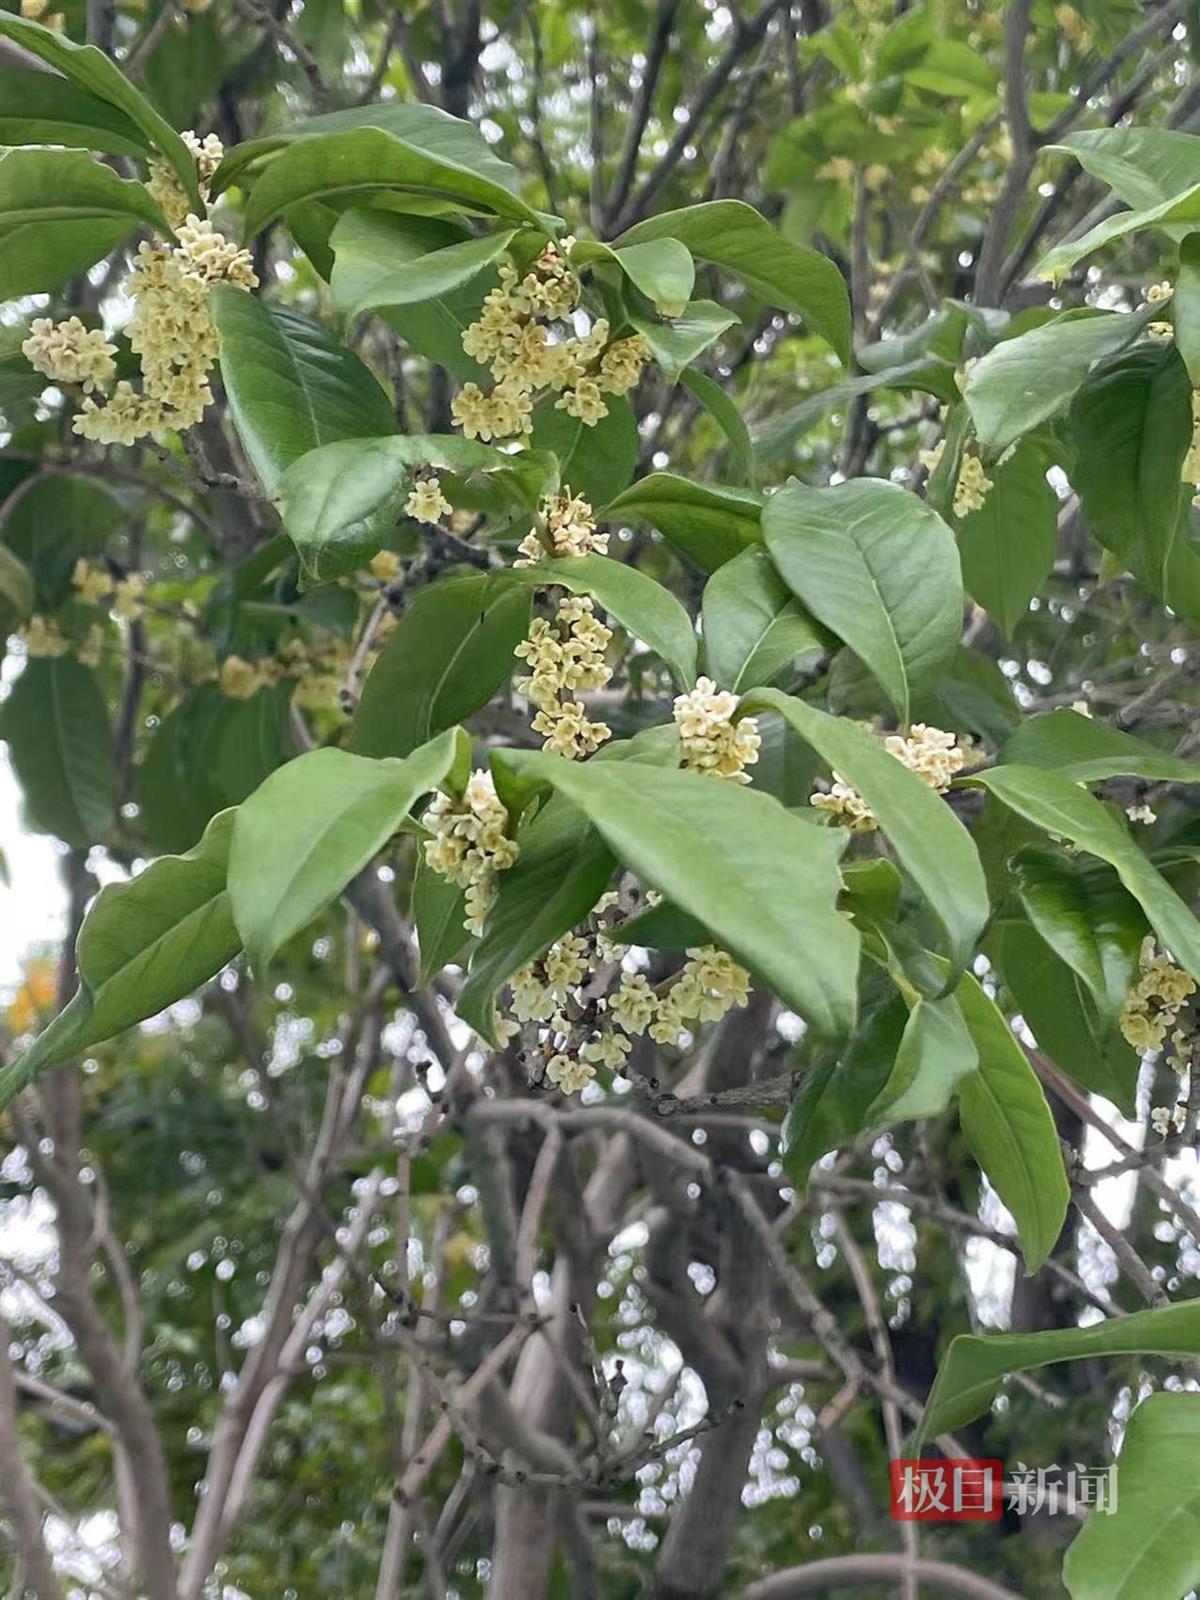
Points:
(522, 335)
(937, 757)
(470, 844)
(93, 586)
(171, 329)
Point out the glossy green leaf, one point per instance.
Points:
(971, 1371)
(1009, 1127)
(753, 626)
(929, 841)
(291, 386)
(935, 1054)
(1181, 208)
(16, 589)
(661, 269)
(763, 881)
(1088, 750)
(597, 462)
(1057, 805)
(728, 418)
(56, 725)
(365, 159)
(42, 108)
(642, 605)
(1142, 166)
(1026, 380)
(92, 70)
(708, 523)
(1148, 1542)
(880, 569)
(61, 211)
(383, 282)
(1185, 307)
(732, 235)
(1132, 425)
(355, 490)
(662, 927)
(1008, 546)
(143, 945)
(448, 655)
(300, 838)
(427, 127)
(676, 344)
(438, 911)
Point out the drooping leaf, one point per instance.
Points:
(1088, 750)
(598, 461)
(291, 387)
(762, 880)
(1185, 306)
(1009, 1128)
(92, 70)
(753, 626)
(732, 235)
(1008, 546)
(662, 269)
(56, 725)
(61, 211)
(1142, 166)
(880, 569)
(1132, 426)
(929, 841)
(438, 909)
(42, 108)
(1181, 208)
(728, 418)
(143, 945)
(365, 159)
(1026, 380)
(935, 1054)
(643, 606)
(971, 1371)
(708, 523)
(450, 652)
(1148, 1541)
(1056, 804)
(303, 834)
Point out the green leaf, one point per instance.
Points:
(291, 387)
(301, 836)
(753, 627)
(1142, 166)
(1086, 917)
(879, 568)
(91, 69)
(1148, 1542)
(598, 461)
(661, 269)
(143, 945)
(354, 490)
(1132, 426)
(1185, 307)
(1009, 1128)
(380, 280)
(935, 1054)
(732, 235)
(642, 605)
(1008, 546)
(929, 841)
(728, 418)
(762, 880)
(450, 652)
(1054, 1003)
(835, 1095)
(1054, 803)
(42, 108)
(16, 590)
(367, 159)
(676, 344)
(1027, 380)
(662, 927)
(438, 909)
(708, 523)
(969, 1376)
(1180, 208)
(427, 127)
(56, 725)
(60, 211)
(1087, 750)
(58, 520)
